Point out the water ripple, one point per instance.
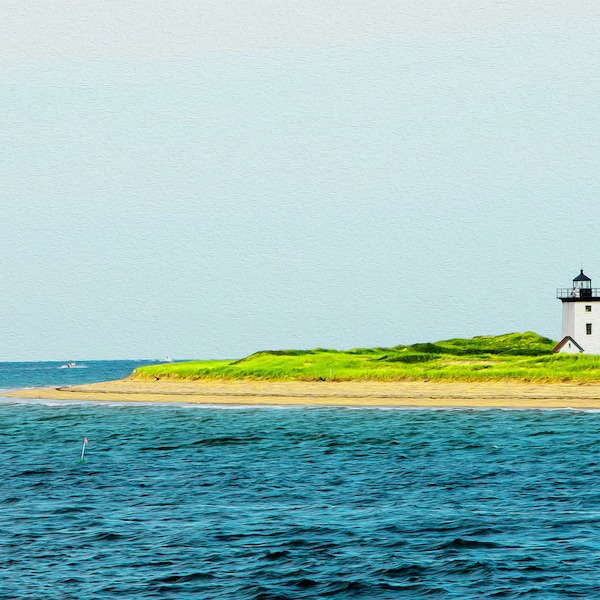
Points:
(322, 503)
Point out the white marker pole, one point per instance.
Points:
(85, 441)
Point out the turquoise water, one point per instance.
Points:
(199, 502)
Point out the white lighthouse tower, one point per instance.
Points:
(580, 317)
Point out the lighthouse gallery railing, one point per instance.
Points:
(577, 293)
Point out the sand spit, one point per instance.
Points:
(329, 393)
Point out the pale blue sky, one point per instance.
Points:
(207, 181)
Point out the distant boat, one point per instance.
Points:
(167, 359)
(70, 365)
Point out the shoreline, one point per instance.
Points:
(316, 393)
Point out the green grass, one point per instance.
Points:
(516, 357)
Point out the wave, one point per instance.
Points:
(256, 504)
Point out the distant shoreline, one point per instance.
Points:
(351, 393)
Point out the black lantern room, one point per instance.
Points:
(580, 290)
(582, 285)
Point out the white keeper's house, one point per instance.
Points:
(580, 317)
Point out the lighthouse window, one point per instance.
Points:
(588, 328)
(588, 308)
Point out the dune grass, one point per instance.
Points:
(523, 357)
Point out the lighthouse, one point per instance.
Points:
(580, 317)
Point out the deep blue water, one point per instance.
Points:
(15, 375)
(198, 502)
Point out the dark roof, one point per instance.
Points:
(582, 277)
(562, 342)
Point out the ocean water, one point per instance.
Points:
(16, 375)
(176, 501)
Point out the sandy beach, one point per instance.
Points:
(353, 393)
